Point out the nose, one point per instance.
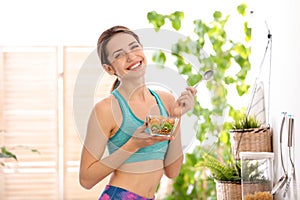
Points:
(130, 55)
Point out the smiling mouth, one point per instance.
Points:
(135, 66)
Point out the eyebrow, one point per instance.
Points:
(131, 43)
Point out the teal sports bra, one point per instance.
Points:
(129, 125)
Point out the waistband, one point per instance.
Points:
(116, 193)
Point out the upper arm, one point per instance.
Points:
(98, 131)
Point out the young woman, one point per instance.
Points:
(136, 160)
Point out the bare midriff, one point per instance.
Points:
(141, 178)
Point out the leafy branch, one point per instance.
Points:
(229, 59)
(5, 153)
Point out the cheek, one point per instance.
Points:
(141, 54)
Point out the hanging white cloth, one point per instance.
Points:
(256, 107)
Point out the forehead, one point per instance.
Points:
(120, 41)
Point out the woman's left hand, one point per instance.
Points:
(185, 102)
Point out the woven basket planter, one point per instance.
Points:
(252, 140)
(227, 190)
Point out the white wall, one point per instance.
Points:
(80, 23)
(282, 19)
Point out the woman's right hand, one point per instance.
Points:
(142, 139)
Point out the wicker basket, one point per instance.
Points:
(253, 140)
(227, 190)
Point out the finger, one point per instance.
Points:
(141, 132)
(160, 138)
(141, 135)
(185, 100)
(141, 128)
(172, 137)
(192, 90)
(188, 93)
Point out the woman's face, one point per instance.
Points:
(126, 56)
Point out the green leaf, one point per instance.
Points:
(35, 151)
(156, 19)
(179, 14)
(200, 29)
(242, 9)
(182, 66)
(197, 109)
(229, 80)
(159, 57)
(241, 50)
(242, 88)
(224, 137)
(193, 79)
(7, 154)
(217, 15)
(248, 32)
(176, 24)
(175, 19)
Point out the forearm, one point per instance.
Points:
(116, 159)
(174, 157)
(100, 169)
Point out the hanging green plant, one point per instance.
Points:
(225, 55)
(246, 122)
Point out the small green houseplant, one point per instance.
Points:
(220, 170)
(245, 122)
(227, 176)
(247, 134)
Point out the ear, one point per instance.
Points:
(109, 69)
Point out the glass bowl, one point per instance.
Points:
(161, 126)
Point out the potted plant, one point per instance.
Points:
(227, 176)
(247, 134)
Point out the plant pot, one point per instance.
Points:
(250, 140)
(227, 190)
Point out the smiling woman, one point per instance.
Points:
(136, 160)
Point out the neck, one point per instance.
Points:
(134, 91)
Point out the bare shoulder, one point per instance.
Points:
(104, 105)
(104, 114)
(167, 98)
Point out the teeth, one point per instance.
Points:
(134, 66)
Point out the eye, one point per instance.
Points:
(119, 54)
(135, 46)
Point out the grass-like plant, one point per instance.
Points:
(246, 122)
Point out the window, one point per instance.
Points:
(36, 111)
